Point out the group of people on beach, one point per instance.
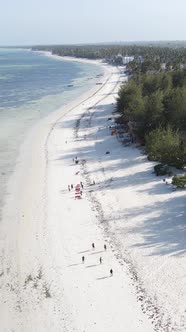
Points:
(100, 259)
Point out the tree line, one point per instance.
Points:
(155, 106)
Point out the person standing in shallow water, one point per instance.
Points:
(111, 272)
(83, 259)
(105, 247)
(93, 246)
(100, 260)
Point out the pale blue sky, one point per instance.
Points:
(24, 22)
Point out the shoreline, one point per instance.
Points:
(30, 112)
(25, 207)
(68, 58)
(47, 120)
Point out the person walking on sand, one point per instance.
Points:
(83, 259)
(111, 272)
(100, 260)
(105, 247)
(93, 245)
(68, 187)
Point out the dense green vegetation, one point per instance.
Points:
(155, 104)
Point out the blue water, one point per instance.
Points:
(31, 86)
(27, 76)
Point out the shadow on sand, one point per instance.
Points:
(75, 264)
(82, 252)
(92, 265)
(101, 278)
(97, 252)
(163, 229)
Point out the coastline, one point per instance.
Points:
(24, 214)
(44, 282)
(18, 119)
(48, 120)
(68, 58)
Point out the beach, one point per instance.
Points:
(47, 228)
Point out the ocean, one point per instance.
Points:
(31, 86)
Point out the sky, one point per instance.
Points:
(36, 22)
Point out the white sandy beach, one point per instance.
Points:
(44, 286)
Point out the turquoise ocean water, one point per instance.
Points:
(31, 86)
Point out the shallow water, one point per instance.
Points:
(31, 86)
